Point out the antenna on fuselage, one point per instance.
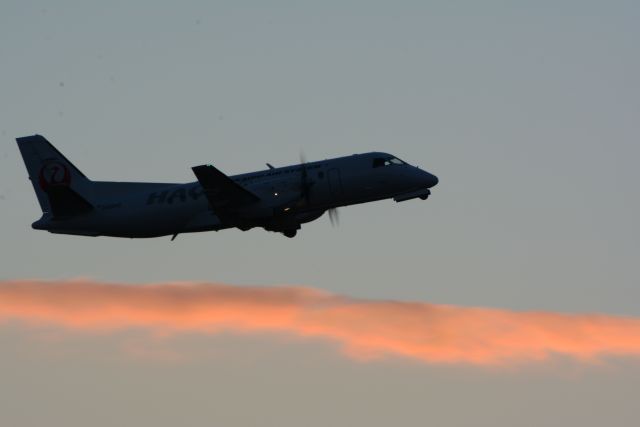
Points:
(270, 166)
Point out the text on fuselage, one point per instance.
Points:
(180, 194)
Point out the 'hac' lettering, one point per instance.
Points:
(179, 193)
(157, 197)
(195, 192)
(176, 195)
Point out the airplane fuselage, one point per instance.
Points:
(281, 198)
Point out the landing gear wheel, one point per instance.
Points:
(290, 233)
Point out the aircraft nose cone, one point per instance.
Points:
(430, 180)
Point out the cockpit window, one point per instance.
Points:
(382, 161)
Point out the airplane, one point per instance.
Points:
(278, 199)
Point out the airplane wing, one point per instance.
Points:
(223, 193)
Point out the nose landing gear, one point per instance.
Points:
(422, 194)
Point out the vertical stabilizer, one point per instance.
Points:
(60, 186)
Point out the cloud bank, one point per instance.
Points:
(365, 328)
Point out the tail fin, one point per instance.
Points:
(58, 184)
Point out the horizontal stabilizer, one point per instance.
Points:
(65, 202)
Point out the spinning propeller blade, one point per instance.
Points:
(334, 217)
(305, 185)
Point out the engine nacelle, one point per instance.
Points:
(309, 216)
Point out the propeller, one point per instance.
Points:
(334, 217)
(305, 185)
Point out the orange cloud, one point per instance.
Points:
(367, 329)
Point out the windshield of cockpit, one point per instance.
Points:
(386, 161)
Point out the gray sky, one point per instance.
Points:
(527, 112)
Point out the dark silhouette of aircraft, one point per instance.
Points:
(276, 199)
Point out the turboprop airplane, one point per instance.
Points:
(276, 199)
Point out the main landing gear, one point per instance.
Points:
(290, 233)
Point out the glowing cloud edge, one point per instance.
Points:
(366, 329)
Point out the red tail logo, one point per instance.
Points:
(54, 173)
